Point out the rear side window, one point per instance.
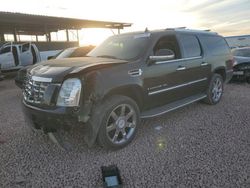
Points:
(190, 45)
(216, 45)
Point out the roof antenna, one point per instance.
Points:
(146, 30)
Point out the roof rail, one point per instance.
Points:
(176, 28)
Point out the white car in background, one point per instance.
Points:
(15, 56)
(66, 53)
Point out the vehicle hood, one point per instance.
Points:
(241, 59)
(57, 69)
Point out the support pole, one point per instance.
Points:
(2, 39)
(77, 34)
(48, 37)
(67, 35)
(47, 33)
(15, 35)
(36, 38)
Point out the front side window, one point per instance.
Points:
(190, 45)
(126, 47)
(167, 43)
(5, 50)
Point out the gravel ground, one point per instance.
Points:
(196, 146)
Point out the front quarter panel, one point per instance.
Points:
(99, 83)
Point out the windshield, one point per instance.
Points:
(241, 52)
(126, 47)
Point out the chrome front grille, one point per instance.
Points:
(34, 89)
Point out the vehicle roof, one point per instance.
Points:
(237, 36)
(172, 31)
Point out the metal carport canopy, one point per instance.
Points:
(28, 24)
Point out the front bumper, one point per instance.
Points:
(51, 120)
(229, 75)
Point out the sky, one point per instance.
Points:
(227, 17)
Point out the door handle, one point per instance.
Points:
(204, 64)
(180, 68)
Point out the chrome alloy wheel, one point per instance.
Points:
(217, 89)
(121, 124)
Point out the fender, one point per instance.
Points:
(98, 86)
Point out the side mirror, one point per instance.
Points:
(162, 55)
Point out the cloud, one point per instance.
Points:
(226, 17)
(192, 6)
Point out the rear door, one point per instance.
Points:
(26, 56)
(197, 68)
(6, 57)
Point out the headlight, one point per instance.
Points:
(70, 92)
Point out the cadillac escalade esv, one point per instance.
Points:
(126, 78)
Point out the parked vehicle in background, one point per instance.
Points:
(15, 56)
(67, 53)
(242, 64)
(127, 78)
(238, 41)
(73, 52)
(1, 76)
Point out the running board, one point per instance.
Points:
(171, 106)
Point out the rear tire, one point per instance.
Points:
(215, 90)
(121, 118)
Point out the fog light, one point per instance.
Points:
(111, 177)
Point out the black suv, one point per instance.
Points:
(127, 78)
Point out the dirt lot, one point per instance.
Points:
(196, 146)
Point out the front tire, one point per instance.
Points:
(120, 122)
(215, 90)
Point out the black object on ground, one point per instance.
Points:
(111, 177)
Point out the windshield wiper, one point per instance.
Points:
(107, 56)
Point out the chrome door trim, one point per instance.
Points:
(176, 87)
(176, 60)
(181, 68)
